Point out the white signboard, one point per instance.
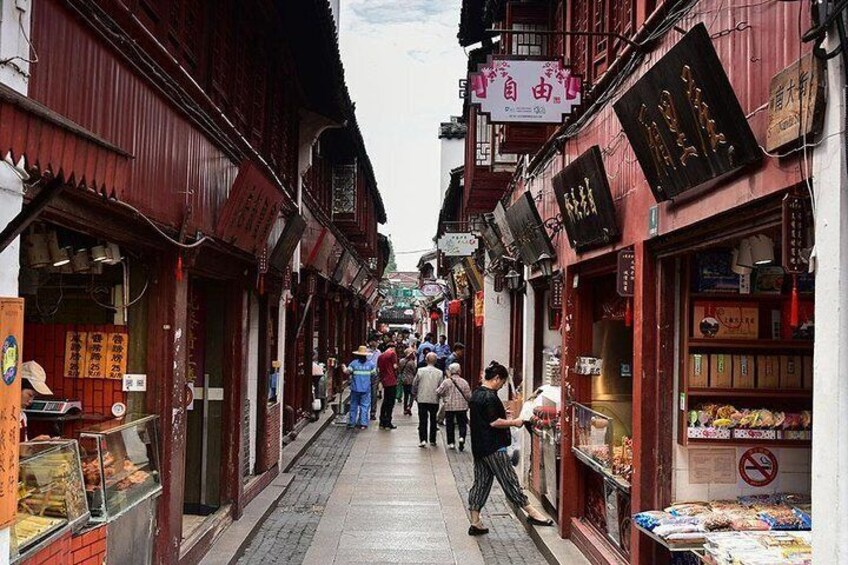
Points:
(134, 383)
(525, 91)
(431, 289)
(458, 244)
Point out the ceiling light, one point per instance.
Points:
(59, 256)
(762, 250)
(98, 253)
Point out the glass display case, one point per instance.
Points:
(120, 464)
(592, 442)
(51, 497)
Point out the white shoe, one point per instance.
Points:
(422, 444)
(451, 446)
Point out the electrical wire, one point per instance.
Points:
(197, 243)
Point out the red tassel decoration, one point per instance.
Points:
(793, 304)
(179, 268)
(628, 314)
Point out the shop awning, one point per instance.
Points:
(52, 144)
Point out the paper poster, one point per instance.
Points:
(712, 466)
(75, 345)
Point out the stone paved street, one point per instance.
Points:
(375, 496)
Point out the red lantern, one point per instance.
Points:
(454, 307)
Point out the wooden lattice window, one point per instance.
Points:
(592, 55)
(534, 44)
(483, 143)
(580, 43)
(344, 189)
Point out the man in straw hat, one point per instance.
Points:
(33, 383)
(361, 370)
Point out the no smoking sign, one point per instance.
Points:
(758, 467)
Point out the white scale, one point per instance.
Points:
(56, 407)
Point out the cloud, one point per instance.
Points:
(394, 11)
(402, 63)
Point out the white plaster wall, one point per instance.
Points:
(496, 326)
(11, 200)
(14, 44)
(281, 354)
(452, 155)
(794, 475)
(830, 363)
(253, 374)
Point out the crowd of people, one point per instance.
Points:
(428, 373)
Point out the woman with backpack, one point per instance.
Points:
(455, 393)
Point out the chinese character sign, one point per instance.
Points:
(585, 202)
(684, 121)
(525, 91)
(796, 103)
(96, 355)
(11, 333)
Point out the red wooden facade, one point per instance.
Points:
(750, 57)
(157, 105)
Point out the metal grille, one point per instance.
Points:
(533, 44)
(483, 142)
(344, 189)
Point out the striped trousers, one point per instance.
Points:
(486, 470)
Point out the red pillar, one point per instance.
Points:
(167, 364)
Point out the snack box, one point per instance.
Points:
(791, 371)
(699, 370)
(726, 320)
(742, 433)
(721, 370)
(768, 371)
(708, 433)
(744, 371)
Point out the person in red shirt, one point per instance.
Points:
(387, 368)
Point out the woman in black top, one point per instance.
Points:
(489, 439)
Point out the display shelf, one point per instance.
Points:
(750, 344)
(619, 482)
(682, 548)
(789, 394)
(734, 442)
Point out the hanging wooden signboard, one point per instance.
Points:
(684, 121)
(585, 201)
(95, 356)
(116, 355)
(531, 236)
(626, 272)
(285, 246)
(795, 233)
(251, 209)
(796, 103)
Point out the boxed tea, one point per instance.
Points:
(744, 371)
(726, 320)
(699, 370)
(768, 371)
(721, 370)
(790, 371)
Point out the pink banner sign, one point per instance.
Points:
(540, 91)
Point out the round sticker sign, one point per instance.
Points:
(10, 359)
(758, 467)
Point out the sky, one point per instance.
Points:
(402, 65)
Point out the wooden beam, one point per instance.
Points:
(30, 212)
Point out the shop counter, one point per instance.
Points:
(121, 472)
(51, 497)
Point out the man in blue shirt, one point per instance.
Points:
(429, 343)
(361, 370)
(442, 351)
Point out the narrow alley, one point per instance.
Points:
(374, 496)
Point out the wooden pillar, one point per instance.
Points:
(652, 394)
(167, 364)
(235, 392)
